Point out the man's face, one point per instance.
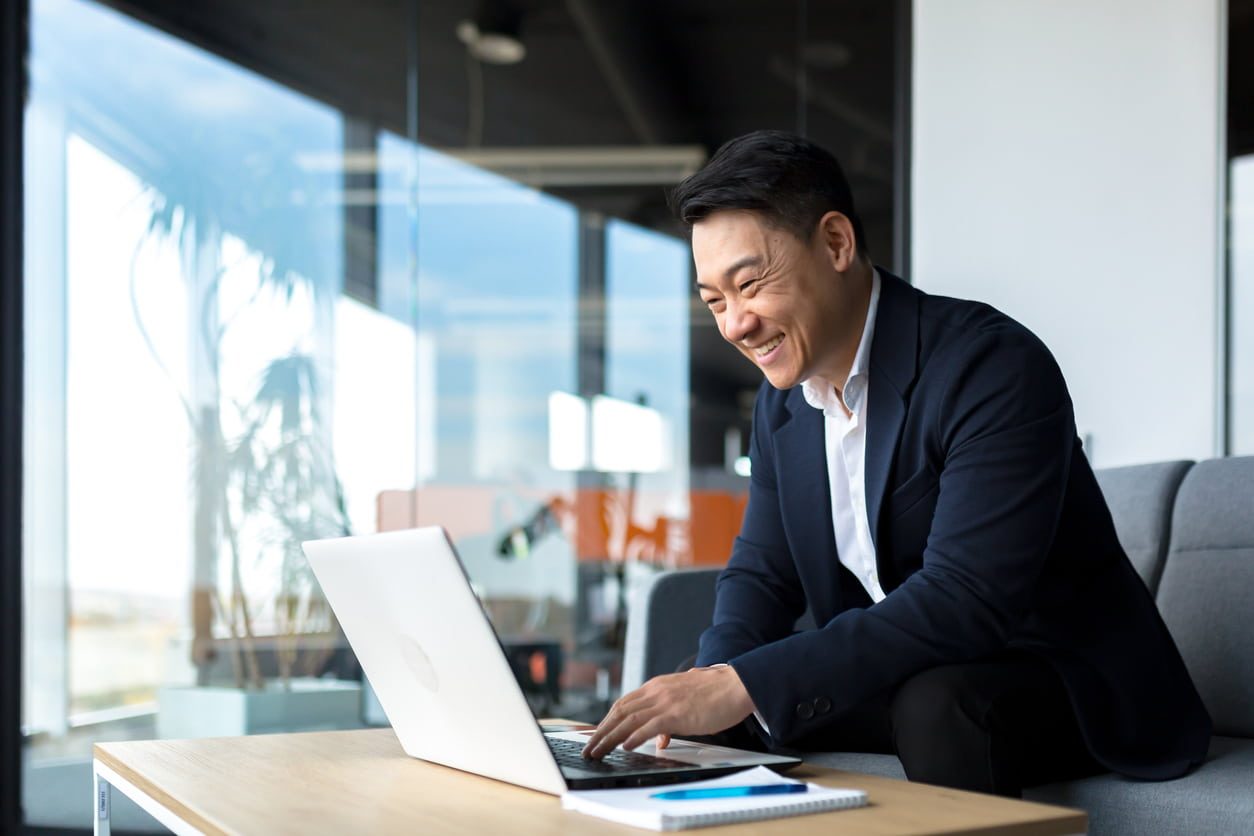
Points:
(783, 303)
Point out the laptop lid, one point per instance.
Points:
(443, 680)
(434, 661)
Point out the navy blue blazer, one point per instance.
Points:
(990, 533)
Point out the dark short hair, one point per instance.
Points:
(788, 179)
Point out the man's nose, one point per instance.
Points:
(738, 322)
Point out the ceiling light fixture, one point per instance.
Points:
(491, 35)
(588, 166)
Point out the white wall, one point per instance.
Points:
(1066, 161)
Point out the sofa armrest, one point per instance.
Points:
(665, 618)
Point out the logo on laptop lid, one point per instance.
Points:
(419, 663)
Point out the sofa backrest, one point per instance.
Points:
(1141, 498)
(1206, 595)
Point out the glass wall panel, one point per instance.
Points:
(257, 320)
(497, 320)
(648, 287)
(125, 436)
(202, 396)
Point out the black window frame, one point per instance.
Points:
(14, 30)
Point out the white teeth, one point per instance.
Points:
(767, 348)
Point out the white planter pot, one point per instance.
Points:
(211, 711)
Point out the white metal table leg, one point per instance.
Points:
(103, 802)
(107, 782)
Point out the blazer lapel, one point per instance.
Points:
(894, 352)
(805, 499)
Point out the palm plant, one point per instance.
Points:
(260, 491)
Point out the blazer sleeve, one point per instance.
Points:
(758, 596)
(1006, 431)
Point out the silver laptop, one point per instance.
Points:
(444, 682)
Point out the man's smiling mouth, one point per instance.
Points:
(767, 347)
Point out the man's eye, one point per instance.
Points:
(747, 285)
(709, 303)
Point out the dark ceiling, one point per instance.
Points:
(597, 72)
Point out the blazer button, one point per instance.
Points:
(822, 705)
(805, 711)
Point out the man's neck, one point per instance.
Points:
(860, 277)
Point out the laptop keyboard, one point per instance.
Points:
(567, 753)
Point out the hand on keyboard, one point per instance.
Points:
(697, 701)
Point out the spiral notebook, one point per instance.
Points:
(638, 808)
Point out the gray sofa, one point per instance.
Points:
(1189, 531)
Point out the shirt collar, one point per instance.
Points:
(819, 393)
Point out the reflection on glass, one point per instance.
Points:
(229, 351)
(184, 267)
(497, 320)
(119, 430)
(648, 280)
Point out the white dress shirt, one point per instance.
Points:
(844, 435)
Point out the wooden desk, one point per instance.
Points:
(360, 783)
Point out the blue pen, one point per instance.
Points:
(730, 792)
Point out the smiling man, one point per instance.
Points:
(917, 483)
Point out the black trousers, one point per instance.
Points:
(994, 726)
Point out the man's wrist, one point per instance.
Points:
(745, 703)
(753, 708)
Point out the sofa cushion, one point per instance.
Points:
(886, 765)
(1217, 797)
(1140, 499)
(1208, 585)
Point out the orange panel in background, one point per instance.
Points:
(602, 523)
(715, 522)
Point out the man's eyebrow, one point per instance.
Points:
(736, 267)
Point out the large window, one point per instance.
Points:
(254, 319)
(178, 365)
(185, 259)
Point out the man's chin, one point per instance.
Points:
(781, 380)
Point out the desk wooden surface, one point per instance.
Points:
(361, 782)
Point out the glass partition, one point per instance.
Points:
(203, 395)
(187, 326)
(255, 318)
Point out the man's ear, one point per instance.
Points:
(836, 235)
